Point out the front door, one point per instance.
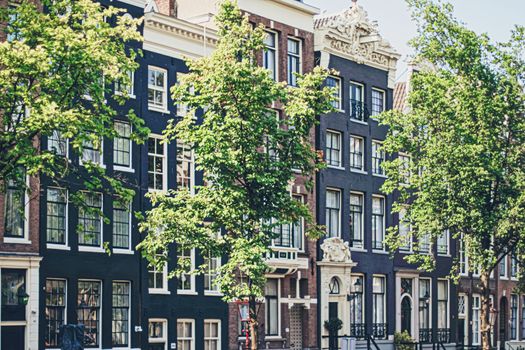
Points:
(296, 328)
(13, 338)
(502, 322)
(406, 315)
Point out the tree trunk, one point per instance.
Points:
(485, 311)
(253, 323)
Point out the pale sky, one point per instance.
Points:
(495, 17)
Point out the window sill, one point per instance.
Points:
(123, 251)
(212, 294)
(88, 249)
(379, 251)
(274, 337)
(358, 121)
(120, 93)
(362, 172)
(159, 110)
(360, 250)
(503, 278)
(186, 292)
(57, 246)
(16, 240)
(380, 176)
(159, 291)
(335, 167)
(444, 255)
(123, 168)
(101, 165)
(405, 251)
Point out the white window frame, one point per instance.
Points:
(129, 313)
(121, 167)
(130, 230)
(339, 223)
(516, 320)
(131, 92)
(381, 91)
(506, 263)
(446, 235)
(192, 339)
(65, 245)
(65, 300)
(99, 248)
(190, 291)
(362, 141)
(208, 275)
(405, 160)
(100, 163)
(385, 294)
(339, 99)
(299, 56)
(164, 289)
(429, 299)
(66, 155)
(218, 338)
(164, 338)
(101, 307)
(383, 199)
(339, 134)
(382, 158)
(352, 98)
(463, 258)
(180, 144)
(409, 238)
(275, 50)
(164, 107)
(278, 335)
(362, 219)
(164, 164)
(476, 336)
(363, 297)
(25, 239)
(448, 299)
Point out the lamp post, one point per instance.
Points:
(244, 315)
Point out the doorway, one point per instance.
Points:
(406, 314)
(503, 322)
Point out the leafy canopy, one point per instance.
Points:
(58, 68)
(246, 151)
(465, 133)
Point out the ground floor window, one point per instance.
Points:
(514, 317)
(272, 307)
(120, 314)
(157, 334)
(55, 311)
(212, 335)
(185, 335)
(88, 310)
(476, 331)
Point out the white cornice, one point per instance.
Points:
(138, 3)
(299, 5)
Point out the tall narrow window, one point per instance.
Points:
(211, 273)
(404, 232)
(442, 309)
(57, 144)
(92, 151)
(379, 304)
(463, 262)
(335, 84)
(424, 243)
(298, 228)
(157, 88)
(185, 335)
(333, 213)
(503, 267)
(14, 215)
(356, 220)
(378, 222)
(294, 60)
(357, 326)
(212, 334)
(378, 101)
(56, 216)
(126, 88)
(425, 332)
(120, 321)
(272, 307)
(185, 166)
(55, 312)
(157, 278)
(404, 170)
(333, 148)
(183, 109)
(157, 177)
(186, 262)
(514, 267)
(90, 220)
(122, 144)
(270, 54)
(357, 153)
(357, 102)
(523, 317)
(378, 157)
(121, 224)
(13, 33)
(157, 334)
(88, 310)
(476, 320)
(442, 243)
(513, 317)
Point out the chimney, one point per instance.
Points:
(167, 7)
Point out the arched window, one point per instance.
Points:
(335, 287)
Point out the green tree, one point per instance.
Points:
(246, 152)
(59, 63)
(464, 133)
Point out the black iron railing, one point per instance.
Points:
(358, 330)
(443, 335)
(379, 330)
(425, 335)
(358, 110)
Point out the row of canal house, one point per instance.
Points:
(67, 277)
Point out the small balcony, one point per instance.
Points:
(358, 111)
(425, 335)
(379, 331)
(285, 260)
(443, 335)
(358, 330)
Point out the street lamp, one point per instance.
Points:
(243, 306)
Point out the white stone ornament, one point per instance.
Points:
(336, 250)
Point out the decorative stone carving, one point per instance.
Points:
(353, 34)
(336, 250)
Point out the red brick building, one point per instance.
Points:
(288, 316)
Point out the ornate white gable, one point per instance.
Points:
(352, 35)
(336, 250)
